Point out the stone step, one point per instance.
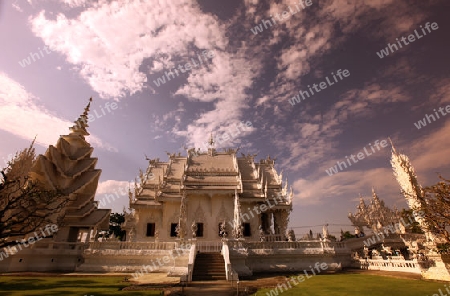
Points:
(203, 270)
(209, 267)
(208, 278)
(209, 274)
(209, 263)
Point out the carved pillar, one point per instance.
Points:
(181, 227)
(276, 225)
(237, 227)
(282, 222)
(271, 218)
(131, 235)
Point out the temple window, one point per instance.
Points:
(173, 230)
(199, 232)
(247, 231)
(150, 229)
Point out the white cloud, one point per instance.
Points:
(111, 186)
(109, 41)
(75, 3)
(22, 116)
(16, 7)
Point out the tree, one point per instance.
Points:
(437, 209)
(406, 214)
(332, 237)
(25, 205)
(346, 235)
(115, 222)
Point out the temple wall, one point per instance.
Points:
(43, 260)
(148, 216)
(134, 260)
(171, 214)
(293, 261)
(211, 211)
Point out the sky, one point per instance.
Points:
(322, 83)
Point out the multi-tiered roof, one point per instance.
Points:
(69, 166)
(213, 171)
(374, 215)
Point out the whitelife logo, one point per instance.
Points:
(423, 123)
(411, 38)
(187, 67)
(49, 229)
(391, 229)
(360, 156)
(284, 15)
(27, 62)
(165, 260)
(262, 208)
(322, 86)
(283, 287)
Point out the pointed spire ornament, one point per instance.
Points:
(237, 226)
(407, 179)
(211, 140)
(325, 232)
(82, 122)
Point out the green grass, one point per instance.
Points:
(329, 285)
(67, 285)
(359, 284)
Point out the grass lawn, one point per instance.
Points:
(359, 284)
(67, 285)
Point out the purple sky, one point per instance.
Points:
(115, 50)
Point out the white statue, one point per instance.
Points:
(131, 235)
(325, 232)
(223, 229)
(291, 235)
(194, 229)
(261, 233)
(387, 250)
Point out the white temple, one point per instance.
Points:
(212, 215)
(215, 191)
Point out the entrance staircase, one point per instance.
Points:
(209, 267)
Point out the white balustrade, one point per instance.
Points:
(119, 245)
(401, 265)
(209, 246)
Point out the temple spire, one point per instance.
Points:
(82, 122)
(211, 141)
(374, 194)
(392, 145)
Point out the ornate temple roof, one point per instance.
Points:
(374, 215)
(69, 167)
(213, 171)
